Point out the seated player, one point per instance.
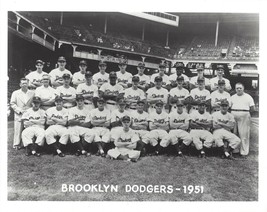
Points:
(179, 124)
(200, 124)
(57, 118)
(125, 143)
(34, 120)
(78, 121)
(159, 125)
(100, 121)
(223, 123)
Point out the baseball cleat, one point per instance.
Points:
(180, 154)
(28, 153)
(61, 154)
(78, 153)
(36, 154)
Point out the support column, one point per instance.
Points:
(106, 25)
(143, 59)
(44, 38)
(167, 38)
(61, 18)
(217, 31)
(33, 28)
(18, 19)
(143, 32)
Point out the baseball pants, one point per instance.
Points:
(175, 135)
(153, 136)
(56, 130)
(115, 153)
(204, 135)
(221, 134)
(30, 132)
(77, 131)
(141, 133)
(243, 121)
(18, 127)
(102, 134)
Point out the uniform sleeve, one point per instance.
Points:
(53, 77)
(25, 115)
(142, 94)
(88, 118)
(112, 117)
(103, 87)
(208, 96)
(186, 79)
(75, 80)
(66, 113)
(251, 101)
(95, 92)
(108, 116)
(231, 117)
(135, 137)
(121, 89)
(79, 89)
(48, 113)
(209, 117)
(70, 114)
(73, 91)
(215, 117)
(227, 84)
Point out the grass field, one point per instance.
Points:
(31, 178)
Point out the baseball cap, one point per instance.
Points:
(200, 79)
(39, 61)
(221, 81)
(100, 100)
(121, 101)
(79, 96)
(83, 62)
(179, 78)
(159, 102)
(102, 62)
(112, 74)
(224, 102)
(141, 65)
(162, 65)
(126, 118)
(88, 74)
(141, 101)
(36, 99)
(135, 79)
(158, 78)
(220, 67)
(58, 98)
(66, 75)
(61, 58)
(202, 102)
(178, 65)
(179, 102)
(45, 76)
(122, 62)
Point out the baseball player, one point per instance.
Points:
(157, 93)
(123, 76)
(57, 118)
(218, 95)
(159, 125)
(78, 122)
(35, 77)
(200, 124)
(199, 94)
(125, 143)
(241, 106)
(101, 77)
(116, 116)
(110, 91)
(161, 73)
(57, 73)
(100, 121)
(214, 81)
(33, 120)
(140, 124)
(144, 79)
(179, 124)
(223, 123)
(67, 92)
(20, 101)
(178, 93)
(89, 92)
(179, 73)
(46, 93)
(133, 94)
(194, 80)
(79, 77)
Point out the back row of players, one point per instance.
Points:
(125, 96)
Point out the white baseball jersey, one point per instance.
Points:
(133, 96)
(243, 102)
(198, 94)
(176, 119)
(98, 115)
(144, 79)
(193, 81)
(128, 137)
(139, 118)
(165, 79)
(116, 115)
(92, 90)
(173, 78)
(214, 83)
(157, 94)
(181, 94)
(196, 116)
(223, 118)
(78, 78)
(76, 113)
(124, 79)
(99, 79)
(30, 114)
(45, 93)
(66, 92)
(111, 89)
(56, 74)
(35, 76)
(59, 114)
(155, 118)
(217, 97)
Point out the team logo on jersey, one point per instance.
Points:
(65, 95)
(34, 118)
(133, 97)
(128, 140)
(200, 97)
(218, 100)
(139, 120)
(178, 121)
(157, 95)
(223, 121)
(160, 121)
(57, 116)
(87, 92)
(80, 117)
(59, 78)
(123, 81)
(202, 120)
(99, 117)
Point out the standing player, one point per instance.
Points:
(78, 121)
(144, 79)
(34, 120)
(194, 80)
(241, 105)
(35, 77)
(57, 73)
(67, 92)
(214, 81)
(219, 95)
(20, 101)
(157, 93)
(46, 93)
(161, 73)
(133, 94)
(200, 124)
(223, 123)
(110, 91)
(123, 76)
(179, 124)
(125, 143)
(100, 121)
(79, 77)
(57, 118)
(159, 125)
(101, 77)
(89, 92)
(179, 73)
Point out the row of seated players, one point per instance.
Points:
(126, 129)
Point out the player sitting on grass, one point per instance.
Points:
(100, 121)
(200, 124)
(57, 118)
(78, 121)
(126, 141)
(34, 120)
(223, 123)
